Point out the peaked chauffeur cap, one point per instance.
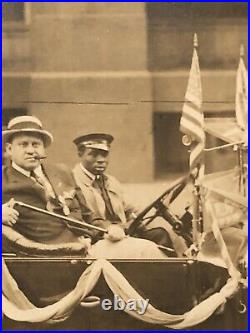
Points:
(95, 141)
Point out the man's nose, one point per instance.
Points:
(30, 149)
(101, 159)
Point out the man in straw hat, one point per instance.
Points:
(103, 193)
(48, 187)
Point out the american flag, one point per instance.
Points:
(241, 98)
(192, 120)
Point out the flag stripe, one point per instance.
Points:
(188, 110)
(194, 130)
(191, 116)
(193, 105)
(196, 156)
(193, 98)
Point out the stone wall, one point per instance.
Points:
(111, 67)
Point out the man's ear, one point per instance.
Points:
(8, 147)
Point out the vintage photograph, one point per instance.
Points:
(124, 166)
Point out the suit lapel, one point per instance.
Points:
(16, 177)
(52, 176)
(59, 179)
(92, 196)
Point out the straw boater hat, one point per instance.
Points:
(26, 124)
(95, 141)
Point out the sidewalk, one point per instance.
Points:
(142, 194)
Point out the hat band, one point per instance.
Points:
(90, 143)
(25, 125)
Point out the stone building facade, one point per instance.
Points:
(120, 68)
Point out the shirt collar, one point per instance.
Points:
(21, 170)
(87, 172)
(38, 170)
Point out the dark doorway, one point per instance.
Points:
(13, 11)
(9, 113)
(170, 154)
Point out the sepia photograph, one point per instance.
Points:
(124, 166)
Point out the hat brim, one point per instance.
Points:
(99, 146)
(46, 136)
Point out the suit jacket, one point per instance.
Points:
(37, 226)
(95, 202)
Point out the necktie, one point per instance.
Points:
(37, 179)
(49, 193)
(53, 201)
(100, 184)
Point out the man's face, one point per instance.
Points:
(24, 150)
(95, 160)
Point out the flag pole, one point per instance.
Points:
(196, 221)
(242, 51)
(240, 148)
(195, 41)
(192, 126)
